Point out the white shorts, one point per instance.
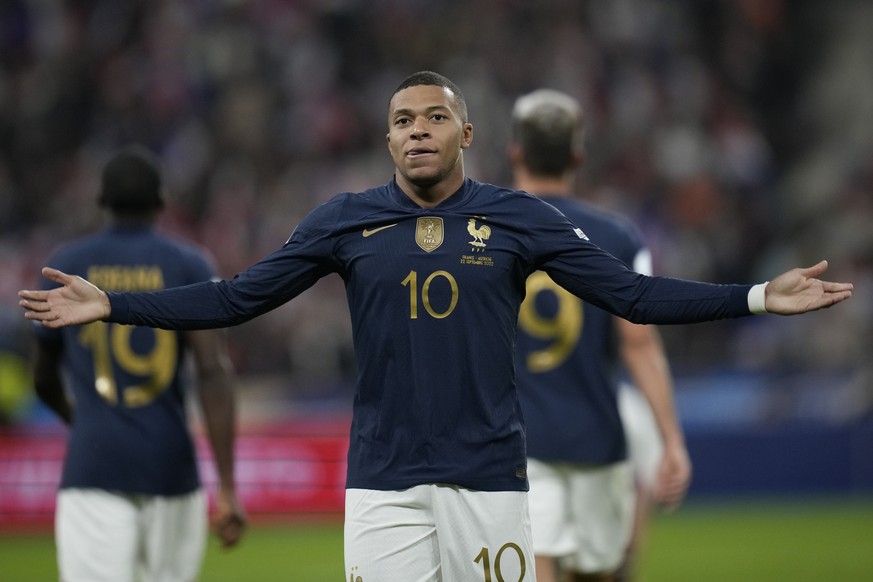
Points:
(104, 536)
(644, 444)
(437, 533)
(581, 514)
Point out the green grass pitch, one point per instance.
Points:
(749, 541)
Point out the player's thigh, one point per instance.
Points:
(602, 505)
(551, 527)
(389, 536)
(174, 532)
(645, 447)
(483, 535)
(97, 536)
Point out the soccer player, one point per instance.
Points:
(130, 504)
(434, 265)
(582, 483)
(645, 452)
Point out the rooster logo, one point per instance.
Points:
(480, 234)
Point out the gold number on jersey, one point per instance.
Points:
(111, 342)
(564, 328)
(411, 281)
(484, 556)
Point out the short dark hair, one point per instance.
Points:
(546, 125)
(131, 182)
(431, 78)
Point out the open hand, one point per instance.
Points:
(799, 290)
(76, 301)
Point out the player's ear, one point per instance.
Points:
(466, 135)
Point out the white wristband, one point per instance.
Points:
(757, 299)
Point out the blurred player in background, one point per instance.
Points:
(646, 456)
(434, 265)
(581, 480)
(131, 505)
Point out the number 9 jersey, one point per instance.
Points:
(568, 367)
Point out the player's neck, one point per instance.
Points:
(430, 195)
(544, 185)
(132, 221)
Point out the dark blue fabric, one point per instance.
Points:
(566, 364)
(130, 430)
(434, 300)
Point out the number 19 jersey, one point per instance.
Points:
(129, 431)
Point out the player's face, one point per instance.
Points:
(426, 134)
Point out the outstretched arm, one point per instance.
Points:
(799, 290)
(77, 301)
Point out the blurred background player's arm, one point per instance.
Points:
(643, 353)
(216, 384)
(47, 379)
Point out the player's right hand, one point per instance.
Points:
(75, 302)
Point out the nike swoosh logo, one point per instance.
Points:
(371, 231)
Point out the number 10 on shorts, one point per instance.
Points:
(496, 574)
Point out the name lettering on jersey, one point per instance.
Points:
(479, 233)
(121, 278)
(429, 232)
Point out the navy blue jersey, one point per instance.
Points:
(129, 431)
(567, 355)
(434, 297)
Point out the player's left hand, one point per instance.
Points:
(799, 290)
(674, 476)
(229, 521)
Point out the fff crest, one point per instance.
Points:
(429, 232)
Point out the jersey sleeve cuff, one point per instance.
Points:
(120, 308)
(757, 299)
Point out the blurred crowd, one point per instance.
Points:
(737, 133)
